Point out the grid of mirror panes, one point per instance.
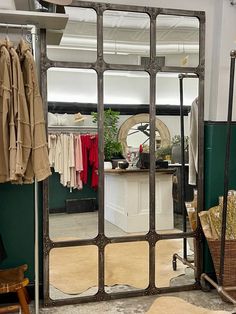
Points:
(133, 46)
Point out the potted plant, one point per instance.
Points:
(176, 149)
(112, 148)
(164, 152)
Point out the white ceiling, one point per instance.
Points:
(126, 32)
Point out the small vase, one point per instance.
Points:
(107, 165)
(176, 154)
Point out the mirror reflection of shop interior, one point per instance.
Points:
(177, 40)
(73, 109)
(126, 190)
(72, 200)
(170, 272)
(126, 37)
(168, 91)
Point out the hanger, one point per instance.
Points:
(7, 40)
(22, 31)
(6, 36)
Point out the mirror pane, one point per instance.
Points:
(123, 261)
(170, 271)
(177, 40)
(126, 185)
(168, 89)
(73, 152)
(126, 37)
(73, 272)
(168, 155)
(79, 39)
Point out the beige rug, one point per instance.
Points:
(75, 269)
(173, 305)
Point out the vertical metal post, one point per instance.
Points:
(100, 87)
(36, 230)
(43, 81)
(182, 171)
(226, 167)
(152, 168)
(198, 256)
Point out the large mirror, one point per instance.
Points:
(72, 105)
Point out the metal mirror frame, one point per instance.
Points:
(101, 240)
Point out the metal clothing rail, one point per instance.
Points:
(32, 29)
(71, 129)
(27, 26)
(176, 256)
(219, 287)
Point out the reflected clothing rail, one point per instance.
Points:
(71, 154)
(72, 129)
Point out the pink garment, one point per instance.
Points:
(78, 161)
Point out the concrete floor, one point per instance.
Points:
(140, 305)
(85, 226)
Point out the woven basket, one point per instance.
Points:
(229, 263)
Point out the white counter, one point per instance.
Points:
(127, 199)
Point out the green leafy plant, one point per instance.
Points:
(164, 151)
(176, 140)
(112, 148)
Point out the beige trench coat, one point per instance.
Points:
(38, 164)
(7, 127)
(21, 121)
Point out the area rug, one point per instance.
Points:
(173, 305)
(75, 269)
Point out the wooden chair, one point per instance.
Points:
(13, 280)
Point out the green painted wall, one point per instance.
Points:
(58, 193)
(17, 224)
(17, 202)
(215, 141)
(17, 220)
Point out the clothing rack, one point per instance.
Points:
(176, 256)
(27, 26)
(72, 129)
(204, 277)
(32, 29)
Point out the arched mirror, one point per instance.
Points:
(135, 131)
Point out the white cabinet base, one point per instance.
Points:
(127, 200)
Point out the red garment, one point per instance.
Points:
(93, 160)
(86, 145)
